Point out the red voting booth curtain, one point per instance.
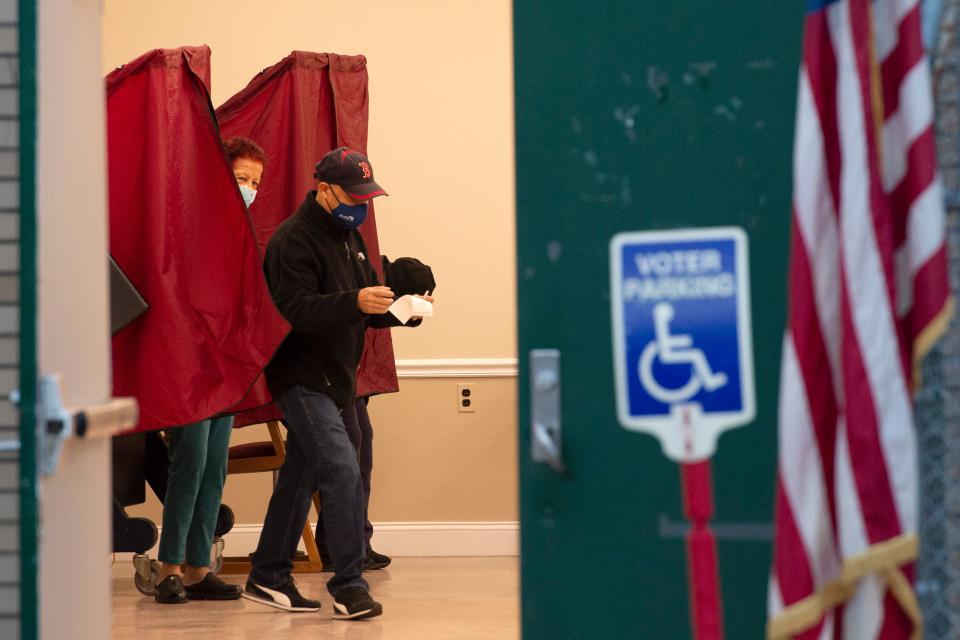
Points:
(181, 233)
(297, 110)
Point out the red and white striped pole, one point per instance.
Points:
(706, 609)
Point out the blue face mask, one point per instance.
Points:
(349, 216)
(248, 194)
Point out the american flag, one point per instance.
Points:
(868, 292)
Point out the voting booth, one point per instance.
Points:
(181, 233)
(190, 250)
(298, 109)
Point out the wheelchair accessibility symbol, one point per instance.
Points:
(682, 340)
(676, 350)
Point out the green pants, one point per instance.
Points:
(198, 468)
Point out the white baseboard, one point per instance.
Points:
(457, 368)
(415, 538)
(406, 539)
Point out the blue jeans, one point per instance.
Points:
(360, 431)
(319, 457)
(198, 467)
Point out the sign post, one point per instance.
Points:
(683, 352)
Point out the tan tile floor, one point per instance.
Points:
(423, 599)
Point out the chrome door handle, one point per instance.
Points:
(546, 448)
(546, 442)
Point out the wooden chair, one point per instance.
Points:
(258, 457)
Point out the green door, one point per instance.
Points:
(19, 587)
(634, 116)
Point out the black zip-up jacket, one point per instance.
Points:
(315, 268)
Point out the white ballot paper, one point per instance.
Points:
(406, 307)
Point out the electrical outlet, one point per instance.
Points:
(466, 398)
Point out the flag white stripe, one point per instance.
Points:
(887, 16)
(925, 236)
(850, 528)
(926, 230)
(826, 632)
(885, 28)
(802, 471)
(914, 115)
(816, 219)
(853, 540)
(863, 613)
(903, 7)
(774, 597)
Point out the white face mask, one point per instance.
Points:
(248, 194)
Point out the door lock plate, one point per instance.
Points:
(545, 413)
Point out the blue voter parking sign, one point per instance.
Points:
(683, 347)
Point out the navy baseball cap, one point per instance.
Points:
(351, 170)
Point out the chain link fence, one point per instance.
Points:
(938, 402)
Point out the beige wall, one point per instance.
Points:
(432, 464)
(73, 320)
(440, 89)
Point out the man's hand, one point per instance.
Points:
(426, 297)
(375, 300)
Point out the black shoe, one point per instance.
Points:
(213, 588)
(354, 603)
(170, 591)
(375, 561)
(371, 562)
(225, 520)
(284, 596)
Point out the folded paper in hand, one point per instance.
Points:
(406, 307)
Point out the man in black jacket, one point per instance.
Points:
(321, 279)
(404, 276)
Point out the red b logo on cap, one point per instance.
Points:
(367, 173)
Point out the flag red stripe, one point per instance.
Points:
(860, 25)
(790, 560)
(896, 624)
(920, 175)
(904, 57)
(813, 362)
(933, 279)
(866, 452)
(821, 66)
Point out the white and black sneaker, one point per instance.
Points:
(284, 596)
(354, 603)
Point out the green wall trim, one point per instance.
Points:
(29, 516)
